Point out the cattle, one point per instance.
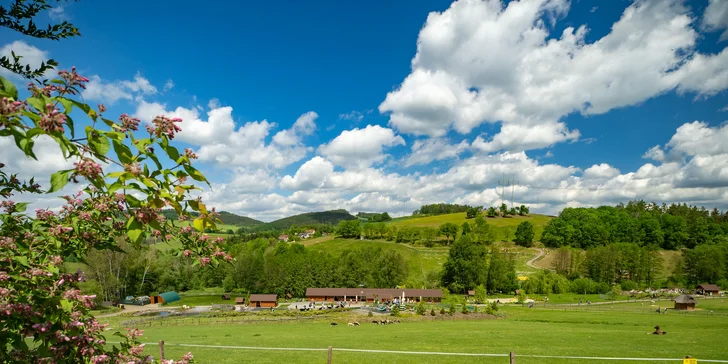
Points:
(333, 324)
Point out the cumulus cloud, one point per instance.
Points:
(359, 148)
(354, 115)
(715, 17)
(224, 143)
(109, 92)
(427, 150)
(600, 171)
(31, 56)
(480, 61)
(168, 85)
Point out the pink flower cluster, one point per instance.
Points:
(72, 79)
(52, 119)
(190, 153)
(165, 126)
(88, 168)
(133, 168)
(8, 107)
(128, 123)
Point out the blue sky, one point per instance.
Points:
(411, 102)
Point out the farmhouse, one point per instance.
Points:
(372, 294)
(307, 234)
(239, 300)
(263, 300)
(283, 237)
(708, 289)
(685, 302)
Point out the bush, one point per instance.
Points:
(432, 312)
(395, 311)
(421, 309)
(228, 284)
(521, 296)
(452, 310)
(464, 309)
(442, 311)
(370, 314)
(628, 285)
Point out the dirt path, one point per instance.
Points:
(541, 253)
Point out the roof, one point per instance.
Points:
(683, 298)
(471, 293)
(263, 298)
(170, 296)
(709, 287)
(239, 300)
(370, 292)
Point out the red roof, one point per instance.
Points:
(263, 298)
(709, 287)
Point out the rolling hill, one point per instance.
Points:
(227, 218)
(501, 224)
(310, 218)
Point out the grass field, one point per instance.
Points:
(594, 331)
(500, 224)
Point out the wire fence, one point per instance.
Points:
(512, 355)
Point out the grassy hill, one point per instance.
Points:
(500, 224)
(228, 218)
(310, 218)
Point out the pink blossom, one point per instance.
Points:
(204, 261)
(88, 168)
(187, 252)
(52, 120)
(165, 126)
(8, 107)
(128, 123)
(102, 108)
(133, 168)
(4, 276)
(190, 153)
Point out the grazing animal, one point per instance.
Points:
(334, 324)
(356, 323)
(383, 322)
(375, 322)
(398, 321)
(351, 324)
(659, 331)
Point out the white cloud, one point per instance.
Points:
(31, 56)
(716, 17)
(427, 150)
(223, 142)
(361, 147)
(311, 174)
(168, 85)
(109, 92)
(600, 171)
(480, 61)
(58, 13)
(352, 116)
(697, 138)
(655, 153)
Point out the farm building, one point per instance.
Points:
(307, 234)
(239, 300)
(166, 297)
(708, 289)
(685, 302)
(372, 294)
(283, 237)
(263, 300)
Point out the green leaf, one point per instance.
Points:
(37, 103)
(9, 88)
(172, 153)
(132, 201)
(123, 152)
(67, 305)
(134, 230)
(21, 206)
(199, 224)
(194, 204)
(141, 144)
(67, 104)
(22, 260)
(71, 127)
(59, 180)
(195, 174)
(99, 144)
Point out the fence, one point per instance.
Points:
(192, 320)
(512, 356)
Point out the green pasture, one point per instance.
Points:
(595, 331)
(499, 223)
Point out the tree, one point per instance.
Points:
(465, 228)
(421, 309)
(523, 210)
(507, 233)
(524, 234)
(450, 230)
(504, 209)
(482, 231)
(465, 267)
(472, 212)
(481, 294)
(349, 229)
(120, 207)
(492, 212)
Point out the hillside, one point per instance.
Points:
(501, 225)
(310, 218)
(227, 218)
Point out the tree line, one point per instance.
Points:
(374, 217)
(668, 227)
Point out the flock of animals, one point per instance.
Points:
(375, 322)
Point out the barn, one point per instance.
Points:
(708, 289)
(166, 297)
(685, 302)
(372, 294)
(263, 300)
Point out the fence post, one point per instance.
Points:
(161, 349)
(330, 350)
(512, 357)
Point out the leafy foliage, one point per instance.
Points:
(441, 209)
(374, 217)
(524, 234)
(310, 218)
(349, 229)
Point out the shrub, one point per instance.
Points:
(628, 285)
(370, 314)
(464, 310)
(452, 310)
(421, 309)
(432, 312)
(442, 311)
(395, 311)
(521, 296)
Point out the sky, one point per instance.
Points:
(388, 105)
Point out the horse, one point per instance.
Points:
(333, 324)
(375, 322)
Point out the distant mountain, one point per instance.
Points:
(227, 218)
(310, 218)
